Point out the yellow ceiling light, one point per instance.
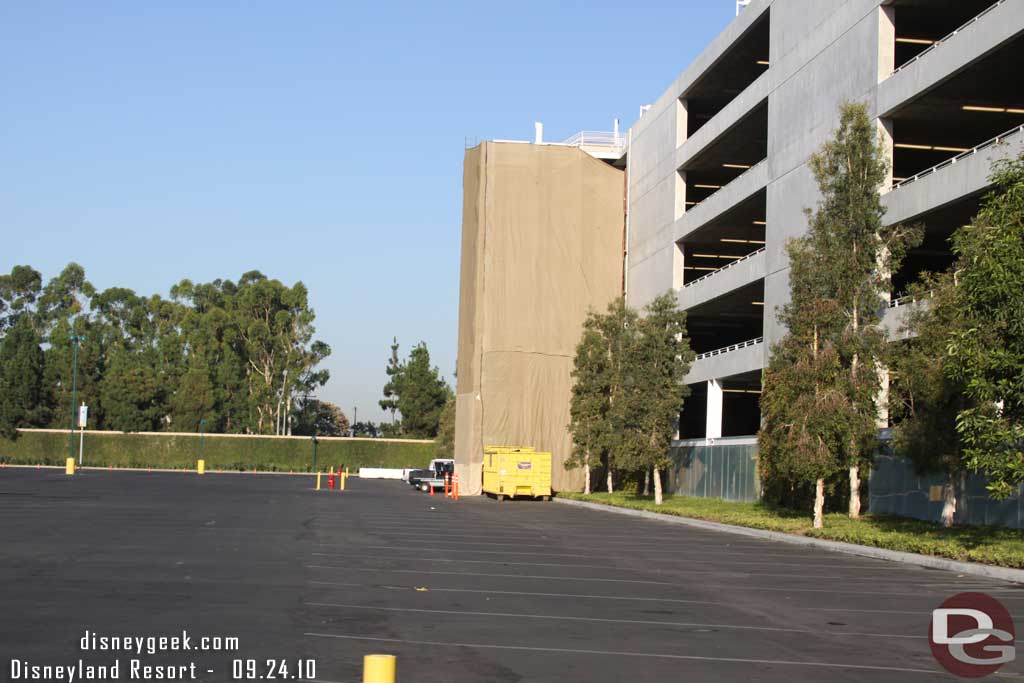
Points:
(739, 241)
(972, 107)
(715, 256)
(743, 166)
(698, 268)
(759, 223)
(907, 145)
(708, 187)
(915, 41)
(757, 303)
(939, 148)
(763, 62)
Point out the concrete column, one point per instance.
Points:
(680, 194)
(713, 430)
(678, 263)
(682, 121)
(886, 41)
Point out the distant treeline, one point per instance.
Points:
(232, 357)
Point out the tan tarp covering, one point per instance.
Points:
(541, 245)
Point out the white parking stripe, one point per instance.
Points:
(644, 622)
(614, 653)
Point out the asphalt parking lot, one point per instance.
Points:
(473, 590)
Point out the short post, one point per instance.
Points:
(379, 669)
(341, 480)
(201, 467)
(69, 466)
(318, 480)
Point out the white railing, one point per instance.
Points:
(725, 267)
(908, 299)
(948, 162)
(690, 208)
(944, 39)
(596, 138)
(727, 349)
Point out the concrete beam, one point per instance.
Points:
(747, 359)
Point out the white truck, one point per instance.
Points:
(434, 475)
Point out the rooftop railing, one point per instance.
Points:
(596, 138)
(725, 267)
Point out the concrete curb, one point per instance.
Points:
(1001, 573)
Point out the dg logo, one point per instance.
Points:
(972, 635)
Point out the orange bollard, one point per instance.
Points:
(446, 494)
(330, 480)
(431, 487)
(456, 487)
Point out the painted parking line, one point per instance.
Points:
(728, 587)
(620, 653)
(605, 620)
(686, 570)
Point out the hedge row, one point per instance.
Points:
(177, 451)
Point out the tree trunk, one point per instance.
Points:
(961, 507)
(647, 482)
(854, 491)
(819, 502)
(610, 489)
(657, 486)
(949, 502)
(586, 473)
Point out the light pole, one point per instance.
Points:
(76, 341)
(202, 429)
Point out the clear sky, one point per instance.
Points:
(313, 141)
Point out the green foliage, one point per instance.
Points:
(175, 451)
(990, 545)
(819, 388)
(986, 353)
(368, 430)
(21, 375)
(195, 400)
(320, 418)
(657, 358)
(394, 372)
(924, 398)
(421, 394)
(446, 430)
(234, 354)
(132, 396)
(628, 385)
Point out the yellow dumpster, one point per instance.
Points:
(517, 471)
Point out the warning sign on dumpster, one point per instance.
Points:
(526, 465)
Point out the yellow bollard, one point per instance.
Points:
(201, 467)
(69, 466)
(379, 669)
(341, 480)
(318, 480)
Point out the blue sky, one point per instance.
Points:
(314, 141)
